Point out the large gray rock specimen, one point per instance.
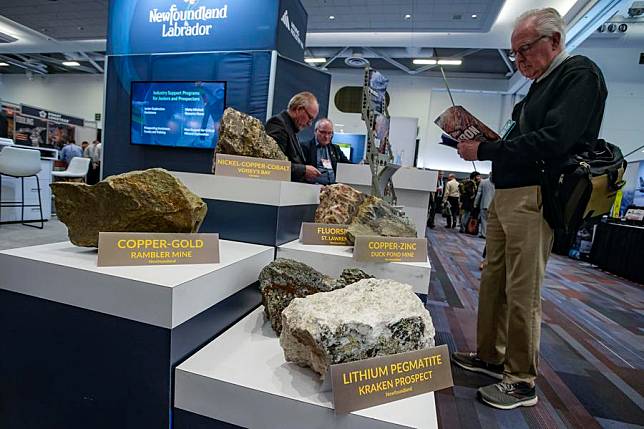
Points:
(139, 201)
(284, 279)
(366, 319)
(244, 135)
(338, 204)
(376, 217)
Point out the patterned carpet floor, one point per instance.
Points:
(592, 343)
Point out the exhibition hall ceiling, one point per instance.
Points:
(387, 33)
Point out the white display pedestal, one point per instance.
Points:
(242, 378)
(267, 212)
(331, 260)
(96, 346)
(412, 187)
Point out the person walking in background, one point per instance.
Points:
(484, 197)
(451, 196)
(468, 193)
(93, 152)
(70, 151)
(434, 198)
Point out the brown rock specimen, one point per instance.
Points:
(338, 204)
(365, 214)
(139, 201)
(244, 135)
(284, 279)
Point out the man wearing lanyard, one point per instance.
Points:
(322, 154)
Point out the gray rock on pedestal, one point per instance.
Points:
(284, 279)
(244, 135)
(366, 319)
(139, 201)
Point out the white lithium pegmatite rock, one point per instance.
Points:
(369, 318)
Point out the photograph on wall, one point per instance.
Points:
(177, 114)
(30, 131)
(58, 135)
(638, 197)
(7, 127)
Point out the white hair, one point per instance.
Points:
(319, 121)
(547, 22)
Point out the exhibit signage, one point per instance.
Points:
(390, 249)
(141, 248)
(324, 234)
(160, 26)
(369, 382)
(255, 168)
(51, 116)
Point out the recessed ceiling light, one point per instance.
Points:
(315, 60)
(408, 16)
(71, 63)
(4, 64)
(331, 17)
(450, 62)
(474, 16)
(423, 61)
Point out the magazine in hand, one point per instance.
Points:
(459, 125)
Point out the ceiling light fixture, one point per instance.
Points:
(474, 16)
(315, 60)
(71, 63)
(450, 62)
(331, 17)
(408, 16)
(424, 61)
(4, 64)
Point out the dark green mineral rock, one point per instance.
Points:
(284, 279)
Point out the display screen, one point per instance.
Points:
(346, 149)
(177, 114)
(356, 143)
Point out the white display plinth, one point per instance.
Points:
(164, 296)
(252, 191)
(331, 260)
(241, 377)
(412, 186)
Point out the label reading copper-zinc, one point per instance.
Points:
(140, 248)
(366, 383)
(255, 168)
(390, 249)
(324, 234)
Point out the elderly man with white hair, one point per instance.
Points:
(560, 116)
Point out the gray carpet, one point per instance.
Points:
(17, 235)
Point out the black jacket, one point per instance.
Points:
(562, 114)
(311, 154)
(282, 128)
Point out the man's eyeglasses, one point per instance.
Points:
(311, 117)
(524, 49)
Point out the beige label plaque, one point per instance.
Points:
(141, 248)
(324, 234)
(256, 168)
(366, 383)
(390, 249)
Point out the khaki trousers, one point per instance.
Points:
(519, 241)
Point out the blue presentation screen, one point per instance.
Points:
(177, 114)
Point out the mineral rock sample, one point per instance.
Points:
(366, 319)
(284, 279)
(139, 201)
(338, 204)
(244, 135)
(376, 217)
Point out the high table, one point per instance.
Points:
(617, 248)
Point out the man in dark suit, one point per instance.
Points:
(283, 127)
(322, 154)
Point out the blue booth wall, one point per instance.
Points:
(292, 77)
(246, 75)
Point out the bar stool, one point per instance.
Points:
(21, 163)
